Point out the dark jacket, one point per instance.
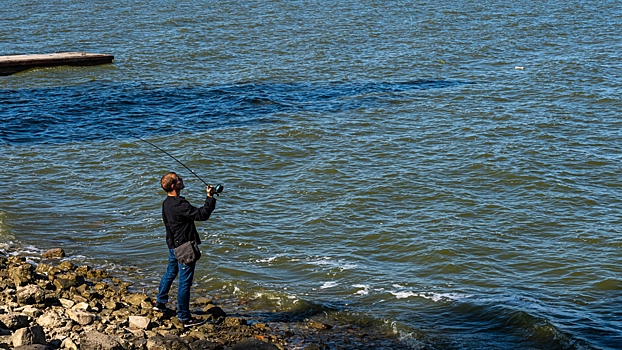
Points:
(179, 217)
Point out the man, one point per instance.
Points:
(179, 217)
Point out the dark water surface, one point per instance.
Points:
(450, 172)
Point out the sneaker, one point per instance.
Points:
(192, 321)
(159, 307)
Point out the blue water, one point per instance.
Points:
(447, 172)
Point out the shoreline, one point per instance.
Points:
(60, 305)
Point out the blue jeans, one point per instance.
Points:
(186, 275)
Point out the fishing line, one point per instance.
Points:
(177, 160)
(168, 154)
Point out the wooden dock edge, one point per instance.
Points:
(17, 63)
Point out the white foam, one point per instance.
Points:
(340, 264)
(436, 297)
(364, 290)
(268, 260)
(329, 284)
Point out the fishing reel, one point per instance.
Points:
(218, 189)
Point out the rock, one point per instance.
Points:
(82, 306)
(167, 342)
(28, 336)
(30, 294)
(98, 341)
(31, 311)
(234, 322)
(215, 311)
(139, 322)
(112, 305)
(67, 266)
(67, 303)
(203, 301)
(69, 344)
(67, 280)
(319, 325)
(32, 347)
(97, 274)
(13, 321)
(48, 270)
(81, 317)
(22, 274)
(54, 253)
(135, 299)
(205, 345)
(53, 319)
(254, 344)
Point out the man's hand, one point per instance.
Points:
(210, 191)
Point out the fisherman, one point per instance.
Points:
(179, 217)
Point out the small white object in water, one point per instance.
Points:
(519, 68)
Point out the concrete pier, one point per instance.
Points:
(17, 63)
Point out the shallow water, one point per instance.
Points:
(449, 171)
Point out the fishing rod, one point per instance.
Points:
(218, 188)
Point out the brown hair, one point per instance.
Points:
(168, 182)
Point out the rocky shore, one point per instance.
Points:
(55, 304)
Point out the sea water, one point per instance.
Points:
(449, 171)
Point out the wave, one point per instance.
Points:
(95, 110)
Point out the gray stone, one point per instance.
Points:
(28, 336)
(22, 274)
(69, 344)
(215, 311)
(139, 322)
(66, 280)
(67, 303)
(136, 299)
(81, 317)
(167, 342)
(52, 319)
(31, 311)
(30, 294)
(99, 341)
(54, 253)
(14, 321)
(32, 347)
(319, 325)
(234, 322)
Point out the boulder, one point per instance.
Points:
(30, 294)
(99, 341)
(67, 303)
(67, 266)
(140, 322)
(53, 319)
(215, 311)
(319, 325)
(234, 322)
(13, 321)
(67, 280)
(31, 311)
(136, 299)
(48, 270)
(28, 336)
(54, 253)
(69, 344)
(167, 342)
(81, 317)
(22, 274)
(203, 301)
(32, 347)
